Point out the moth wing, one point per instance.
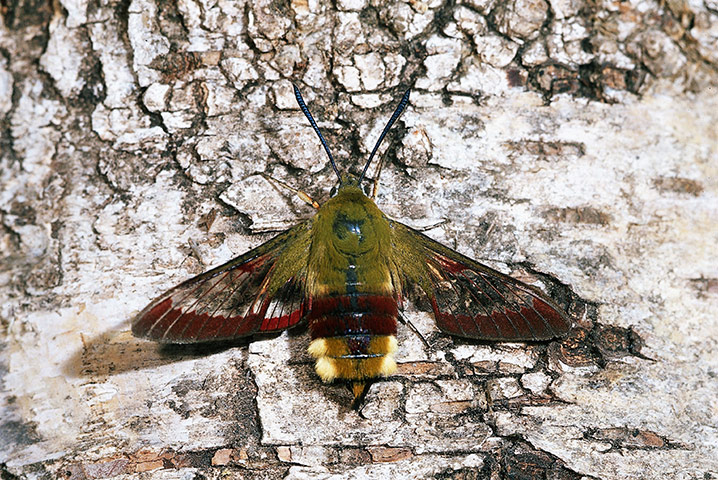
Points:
(472, 300)
(260, 291)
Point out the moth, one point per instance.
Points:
(346, 273)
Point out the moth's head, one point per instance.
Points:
(348, 179)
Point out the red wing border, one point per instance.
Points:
(260, 291)
(474, 301)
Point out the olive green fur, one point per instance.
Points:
(293, 260)
(387, 257)
(332, 251)
(390, 255)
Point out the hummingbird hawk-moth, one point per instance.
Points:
(345, 272)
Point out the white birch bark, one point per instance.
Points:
(573, 144)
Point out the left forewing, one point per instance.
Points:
(470, 299)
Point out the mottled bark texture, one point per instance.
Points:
(572, 143)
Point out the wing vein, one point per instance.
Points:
(226, 285)
(240, 284)
(548, 325)
(185, 310)
(451, 308)
(516, 305)
(490, 315)
(262, 294)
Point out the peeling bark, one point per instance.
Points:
(570, 143)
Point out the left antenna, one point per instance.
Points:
(397, 113)
(303, 107)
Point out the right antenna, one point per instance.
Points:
(304, 108)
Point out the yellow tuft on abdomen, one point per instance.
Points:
(333, 361)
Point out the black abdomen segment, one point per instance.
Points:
(353, 336)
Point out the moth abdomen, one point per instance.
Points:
(352, 313)
(353, 336)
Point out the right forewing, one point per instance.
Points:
(260, 291)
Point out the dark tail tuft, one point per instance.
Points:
(359, 389)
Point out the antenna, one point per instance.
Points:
(304, 109)
(399, 109)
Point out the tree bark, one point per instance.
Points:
(571, 144)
